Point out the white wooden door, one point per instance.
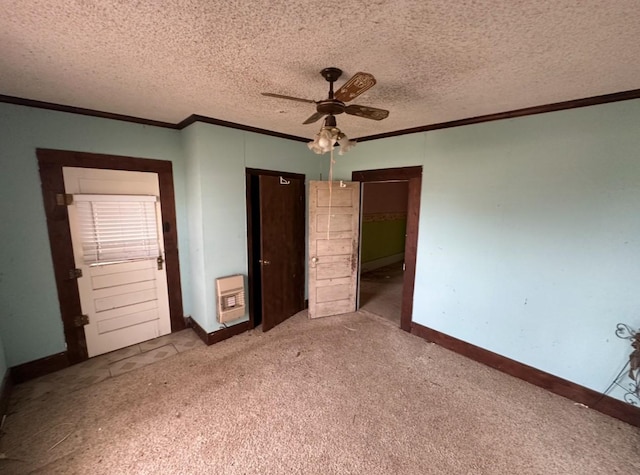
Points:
(334, 213)
(124, 294)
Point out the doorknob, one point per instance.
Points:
(314, 259)
(264, 262)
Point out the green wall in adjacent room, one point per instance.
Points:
(382, 239)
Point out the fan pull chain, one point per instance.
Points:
(330, 189)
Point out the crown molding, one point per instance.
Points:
(557, 106)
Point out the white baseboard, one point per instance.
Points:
(383, 261)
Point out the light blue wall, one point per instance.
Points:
(30, 321)
(209, 178)
(198, 288)
(216, 159)
(529, 234)
(528, 231)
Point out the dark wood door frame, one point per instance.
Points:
(254, 293)
(414, 176)
(50, 164)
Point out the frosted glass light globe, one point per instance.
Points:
(324, 142)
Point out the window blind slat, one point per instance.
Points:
(117, 229)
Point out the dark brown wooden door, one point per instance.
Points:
(282, 247)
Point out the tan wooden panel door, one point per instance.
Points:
(126, 301)
(334, 214)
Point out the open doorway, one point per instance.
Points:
(402, 275)
(382, 245)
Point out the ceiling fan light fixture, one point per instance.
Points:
(325, 140)
(314, 146)
(345, 144)
(328, 137)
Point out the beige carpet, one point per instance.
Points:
(381, 291)
(348, 394)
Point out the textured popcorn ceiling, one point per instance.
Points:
(435, 60)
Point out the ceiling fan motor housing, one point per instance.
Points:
(335, 104)
(330, 107)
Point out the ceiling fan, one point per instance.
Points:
(335, 103)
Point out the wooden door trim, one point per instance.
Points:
(251, 278)
(50, 164)
(414, 176)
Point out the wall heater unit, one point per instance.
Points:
(230, 291)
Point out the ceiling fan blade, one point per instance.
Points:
(355, 86)
(314, 118)
(367, 112)
(280, 96)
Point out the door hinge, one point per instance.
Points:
(160, 261)
(64, 199)
(81, 320)
(75, 274)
